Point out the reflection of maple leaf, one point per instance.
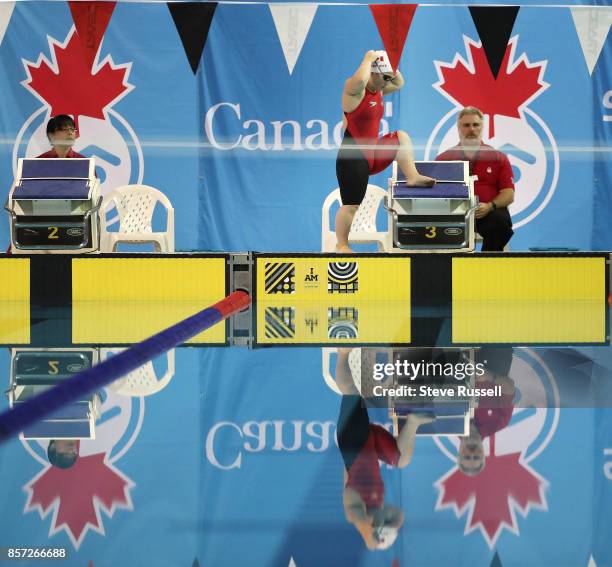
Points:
(471, 83)
(69, 87)
(78, 494)
(492, 497)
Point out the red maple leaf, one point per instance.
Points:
(472, 83)
(504, 486)
(78, 494)
(68, 86)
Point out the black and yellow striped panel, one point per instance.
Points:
(15, 300)
(125, 300)
(529, 300)
(366, 322)
(339, 280)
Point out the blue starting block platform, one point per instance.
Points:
(35, 370)
(438, 218)
(53, 206)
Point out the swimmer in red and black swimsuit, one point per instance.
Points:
(362, 152)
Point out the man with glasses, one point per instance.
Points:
(362, 152)
(62, 133)
(495, 183)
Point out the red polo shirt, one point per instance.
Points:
(493, 414)
(53, 154)
(490, 165)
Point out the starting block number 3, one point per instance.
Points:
(431, 232)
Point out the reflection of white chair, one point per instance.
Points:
(354, 364)
(361, 362)
(135, 205)
(363, 229)
(143, 381)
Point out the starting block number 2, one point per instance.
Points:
(52, 232)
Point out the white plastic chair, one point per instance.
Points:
(143, 381)
(134, 205)
(363, 229)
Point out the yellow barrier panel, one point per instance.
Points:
(15, 300)
(148, 279)
(529, 300)
(15, 279)
(131, 322)
(15, 322)
(125, 300)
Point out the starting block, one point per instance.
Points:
(438, 218)
(35, 370)
(53, 207)
(451, 412)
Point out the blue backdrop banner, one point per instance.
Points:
(245, 147)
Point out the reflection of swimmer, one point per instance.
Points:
(362, 445)
(363, 109)
(63, 453)
(492, 414)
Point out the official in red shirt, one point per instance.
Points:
(495, 184)
(62, 134)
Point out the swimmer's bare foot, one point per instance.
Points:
(420, 418)
(345, 249)
(420, 181)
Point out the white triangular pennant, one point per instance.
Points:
(6, 9)
(292, 23)
(591, 562)
(292, 563)
(592, 27)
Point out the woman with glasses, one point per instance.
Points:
(62, 133)
(362, 152)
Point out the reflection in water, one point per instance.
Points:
(284, 487)
(492, 413)
(362, 445)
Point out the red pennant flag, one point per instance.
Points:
(91, 20)
(393, 22)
